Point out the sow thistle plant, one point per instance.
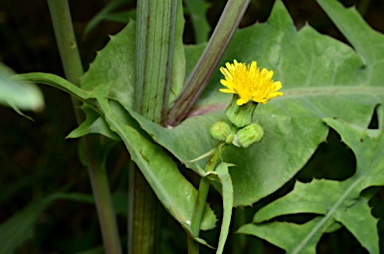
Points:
(135, 89)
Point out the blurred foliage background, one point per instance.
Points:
(37, 160)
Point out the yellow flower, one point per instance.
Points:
(249, 83)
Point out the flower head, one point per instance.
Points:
(249, 83)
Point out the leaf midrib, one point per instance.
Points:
(327, 217)
(332, 211)
(331, 90)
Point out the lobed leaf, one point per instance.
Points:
(334, 201)
(339, 201)
(115, 63)
(157, 166)
(285, 234)
(321, 77)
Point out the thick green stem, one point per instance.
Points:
(193, 246)
(145, 218)
(70, 57)
(197, 81)
(155, 32)
(155, 36)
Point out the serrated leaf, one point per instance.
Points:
(174, 199)
(285, 234)
(158, 168)
(178, 139)
(321, 77)
(367, 42)
(115, 63)
(93, 123)
(339, 201)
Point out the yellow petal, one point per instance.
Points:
(249, 83)
(241, 101)
(223, 90)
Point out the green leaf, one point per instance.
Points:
(221, 175)
(192, 55)
(121, 16)
(366, 41)
(60, 83)
(158, 168)
(198, 13)
(174, 198)
(18, 94)
(115, 64)
(105, 14)
(321, 77)
(285, 234)
(19, 228)
(93, 123)
(339, 201)
(186, 141)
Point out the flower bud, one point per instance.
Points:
(240, 115)
(222, 131)
(248, 135)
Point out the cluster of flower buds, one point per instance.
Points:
(243, 137)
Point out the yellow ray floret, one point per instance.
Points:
(249, 83)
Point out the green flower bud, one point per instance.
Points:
(240, 115)
(248, 135)
(222, 131)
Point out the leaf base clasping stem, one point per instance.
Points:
(193, 246)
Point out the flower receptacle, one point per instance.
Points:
(240, 116)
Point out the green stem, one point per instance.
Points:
(239, 240)
(70, 57)
(193, 246)
(155, 32)
(155, 36)
(144, 220)
(197, 81)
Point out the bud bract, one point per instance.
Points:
(248, 135)
(240, 115)
(222, 131)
